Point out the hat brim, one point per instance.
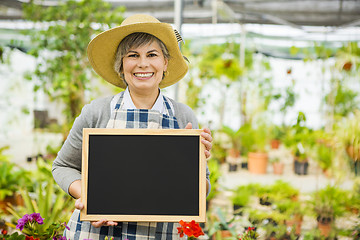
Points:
(102, 49)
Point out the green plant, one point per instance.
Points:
(241, 196)
(281, 189)
(12, 177)
(215, 174)
(234, 136)
(62, 69)
(277, 132)
(329, 203)
(348, 134)
(255, 138)
(274, 160)
(218, 222)
(52, 207)
(325, 156)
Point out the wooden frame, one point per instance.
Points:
(93, 172)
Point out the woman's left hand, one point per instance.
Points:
(206, 140)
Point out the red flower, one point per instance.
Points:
(191, 229)
(4, 232)
(31, 238)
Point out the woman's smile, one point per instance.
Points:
(143, 75)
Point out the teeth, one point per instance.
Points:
(143, 74)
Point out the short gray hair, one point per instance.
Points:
(135, 40)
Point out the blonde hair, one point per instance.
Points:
(135, 40)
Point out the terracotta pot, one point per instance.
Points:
(295, 222)
(278, 168)
(224, 234)
(234, 153)
(257, 162)
(325, 228)
(353, 154)
(275, 143)
(15, 200)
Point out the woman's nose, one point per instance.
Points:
(143, 62)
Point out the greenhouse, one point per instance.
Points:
(251, 110)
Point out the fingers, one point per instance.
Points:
(188, 126)
(103, 222)
(78, 204)
(207, 139)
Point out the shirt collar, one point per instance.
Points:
(129, 104)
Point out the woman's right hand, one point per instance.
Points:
(79, 205)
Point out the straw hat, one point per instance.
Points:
(102, 49)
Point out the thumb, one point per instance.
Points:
(188, 126)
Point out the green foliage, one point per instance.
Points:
(234, 136)
(219, 222)
(12, 177)
(62, 70)
(215, 174)
(223, 60)
(329, 203)
(14, 236)
(52, 208)
(346, 100)
(241, 196)
(299, 138)
(325, 156)
(255, 138)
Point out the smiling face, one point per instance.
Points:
(143, 68)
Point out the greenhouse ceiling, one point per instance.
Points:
(295, 13)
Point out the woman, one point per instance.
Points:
(141, 56)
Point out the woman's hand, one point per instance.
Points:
(206, 140)
(79, 205)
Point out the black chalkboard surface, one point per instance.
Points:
(143, 175)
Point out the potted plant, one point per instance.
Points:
(234, 138)
(328, 204)
(12, 178)
(324, 156)
(257, 138)
(277, 133)
(300, 139)
(241, 198)
(48, 200)
(219, 227)
(278, 166)
(348, 134)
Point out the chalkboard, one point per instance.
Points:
(152, 175)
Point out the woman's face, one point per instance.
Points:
(143, 68)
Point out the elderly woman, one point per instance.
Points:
(141, 56)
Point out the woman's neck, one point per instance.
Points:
(144, 101)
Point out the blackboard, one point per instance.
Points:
(152, 175)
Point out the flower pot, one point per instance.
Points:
(237, 209)
(353, 152)
(257, 162)
(224, 234)
(295, 222)
(15, 200)
(232, 167)
(234, 153)
(301, 167)
(325, 228)
(275, 143)
(278, 168)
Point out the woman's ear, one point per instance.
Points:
(166, 64)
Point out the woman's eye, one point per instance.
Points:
(132, 55)
(152, 55)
